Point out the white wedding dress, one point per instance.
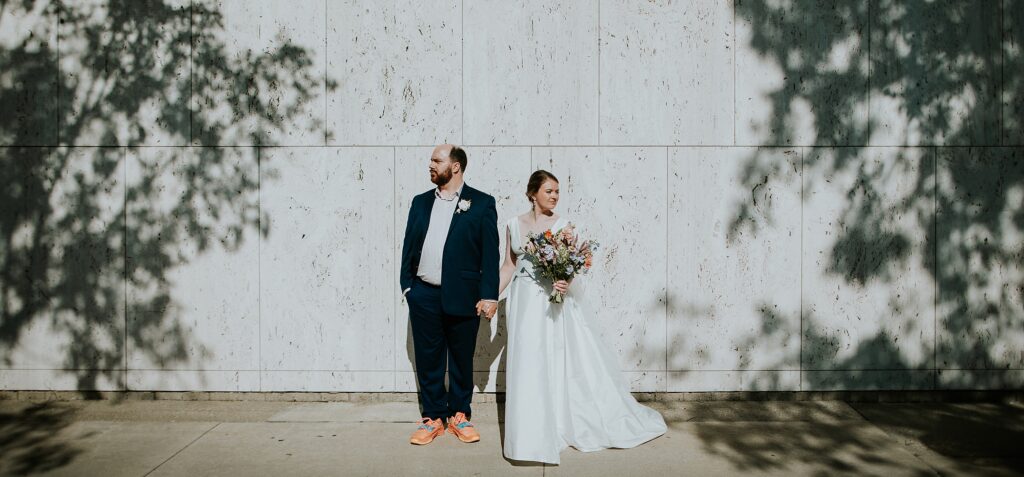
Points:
(563, 385)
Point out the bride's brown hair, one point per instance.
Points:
(538, 179)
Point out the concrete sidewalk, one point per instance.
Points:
(195, 438)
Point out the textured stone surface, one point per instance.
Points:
(646, 381)
(398, 68)
(329, 381)
(29, 83)
(193, 287)
(63, 305)
(764, 448)
(667, 72)
(36, 379)
(412, 177)
(974, 379)
(738, 380)
(1013, 84)
(801, 72)
(347, 412)
(266, 47)
(543, 88)
(405, 381)
(133, 437)
(193, 380)
(140, 268)
(326, 448)
(868, 294)
(120, 86)
(618, 196)
(936, 73)
(326, 272)
(862, 380)
(981, 260)
(823, 411)
(99, 448)
(725, 239)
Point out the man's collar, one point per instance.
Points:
(458, 193)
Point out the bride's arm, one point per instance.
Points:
(509, 267)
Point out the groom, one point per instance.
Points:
(449, 277)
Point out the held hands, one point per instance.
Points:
(486, 309)
(562, 286)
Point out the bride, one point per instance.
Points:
(563, 386)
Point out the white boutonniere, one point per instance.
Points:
(464, 205)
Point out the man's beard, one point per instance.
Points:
(442, 178)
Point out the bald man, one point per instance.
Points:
(449, 276)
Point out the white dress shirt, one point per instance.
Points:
(437, 234)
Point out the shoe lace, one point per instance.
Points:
(460, 421)
(425, 424)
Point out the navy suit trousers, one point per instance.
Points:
(440, 339)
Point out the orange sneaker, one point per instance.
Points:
(428, 430)
(462, 428)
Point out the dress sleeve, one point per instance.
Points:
(513, 231)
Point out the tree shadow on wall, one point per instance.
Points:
(904, 74)
(911, 253)
(93, 226)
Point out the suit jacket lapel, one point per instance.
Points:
(422, 225)
(466, 195)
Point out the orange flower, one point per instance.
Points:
(548, 235)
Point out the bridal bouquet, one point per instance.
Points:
(560, 255)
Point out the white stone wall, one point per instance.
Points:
(763, 228)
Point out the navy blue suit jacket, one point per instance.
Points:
(469, 265)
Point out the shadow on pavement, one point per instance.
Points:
(27, 443)
(984, 435)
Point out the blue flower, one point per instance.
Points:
(548, 252)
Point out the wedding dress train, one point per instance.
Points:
(563, 385)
